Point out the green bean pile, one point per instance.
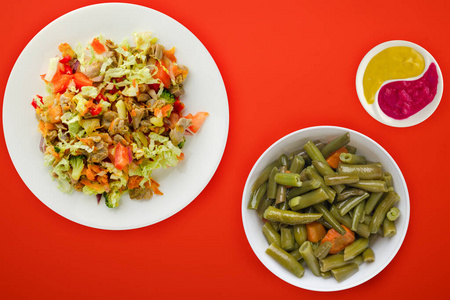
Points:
(302, 188)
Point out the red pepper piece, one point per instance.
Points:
(65, 59)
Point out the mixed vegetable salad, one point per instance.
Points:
(113, 115)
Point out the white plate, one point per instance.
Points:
(385, 248)
(374, 109)
(205, 91)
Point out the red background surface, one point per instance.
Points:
(286, 65)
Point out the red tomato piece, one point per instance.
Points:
(197, 120)
(81, 80)
(95, 110)
(162, 75)
(61, 83)
(178, 106)
(121, 156)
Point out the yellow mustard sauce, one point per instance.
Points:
(392, 63)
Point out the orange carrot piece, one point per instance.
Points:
(154, 186)
(333, 159)
(338, 241)
(133, 181)
(315, 231)
(89, 174)
(96, 168)
(97, 46)
(92, 184)
(170, 54)
(103, 180)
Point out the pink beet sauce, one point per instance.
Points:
(402, 99)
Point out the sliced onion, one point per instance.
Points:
(42, 145)
(75, 65)
(99, 197)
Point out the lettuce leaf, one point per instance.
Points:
(61, 171)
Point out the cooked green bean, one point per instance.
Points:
(372, 201)
(345, 206)
(324, 223)
(324, 169)
(336, 144)
(303, 175)
(358, 213)
(264, 176)
(300, 235)
(313, 152)
(368, 171)
(297, 164)
(342, 273)
(326, 275)
(356, 248)
(288, 179)
(322, 250)
(287, 238)
(308, 199)
(340, 179)
(381, 210)
(290, 217)
(286, 260)
(362, 230)
(256, 197)
(281, 189)
(271, 235)
(311, 172)
(348, 193)
(307, 252)
(283, 160)
(389, 228)
(327, 216)
(263, 205)
(351, 149)
(388, 178)
(283, 205)
(335, 261)
(296, 254)
(367, 219)
(353, 159)
(393, 213)
(307, 186)
(368, 255)
(301, 152)
(271, 184)
(275, 225)
(371, 185)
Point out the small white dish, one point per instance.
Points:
(385, 248)
(374, 109)
(205, 91)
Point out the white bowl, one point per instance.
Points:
(374, 109)
(385, 248)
